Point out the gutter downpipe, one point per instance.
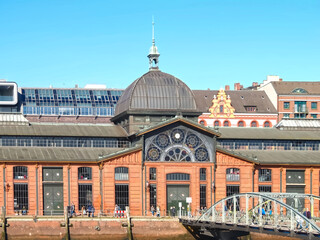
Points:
(142, 165)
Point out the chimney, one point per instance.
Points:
(254, 84)
(280, 80)
(227, 88)
(241, 86)
(237, 86)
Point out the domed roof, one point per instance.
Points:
(157, 91)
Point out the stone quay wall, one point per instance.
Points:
(93, 228)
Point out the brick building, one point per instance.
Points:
(153, 153)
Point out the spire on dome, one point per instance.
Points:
(153, 53)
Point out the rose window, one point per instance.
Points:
(177, 145)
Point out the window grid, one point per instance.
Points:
(70, 102)
(20, 172)
(122, 195)
(233, 174)
(62, 142)
(85, 173)
(21, 200)
(232, 190)
(121, 173)
(178, 177)
(85, 195)
(152, 173)
(153, 196)
(265, 188)
(264, 175)
(203, 196)
(203, 174)
(269, 145)
(286, 105)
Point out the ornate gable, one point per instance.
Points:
(221, 106)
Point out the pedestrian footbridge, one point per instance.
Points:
(269, 213)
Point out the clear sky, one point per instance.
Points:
(206, 44)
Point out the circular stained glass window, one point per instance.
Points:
(201, 154)
(153, 154)
(192, 141)
(177, 135)
(162, 140)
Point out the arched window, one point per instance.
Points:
(121, 173)
(299, 90)
(241, 123)
(226, 123)
(233, 174)
(267, 124)
(20, 172)
(202, 122)
(217, 123)
(254, 124)
(84, 173)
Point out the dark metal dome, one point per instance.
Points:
(157, 91)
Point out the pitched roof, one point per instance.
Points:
(306, 124)
(283, 157)
(63, 130)
(182, 120)
(267, 133)
(239, 100)
(44, 154)
(286, 88)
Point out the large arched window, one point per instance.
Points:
(121, 173)
(226, 123)
(177, 145)
(233, 174)
(241, 123)
(254, 124)
(217, 123)
(84, 173)
(20, 172)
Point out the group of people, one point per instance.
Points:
(155, 211)
(89, 211)
(300, 221)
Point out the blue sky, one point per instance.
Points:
(206, 44)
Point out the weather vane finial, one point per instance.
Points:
(153, 53)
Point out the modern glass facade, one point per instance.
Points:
(69, 102)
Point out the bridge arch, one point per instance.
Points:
(282, 218)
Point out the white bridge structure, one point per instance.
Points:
(286, 214)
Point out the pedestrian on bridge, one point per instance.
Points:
(299, 222)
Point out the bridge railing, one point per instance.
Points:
(266, 210)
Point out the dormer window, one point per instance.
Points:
(299, 90)
(251, 108)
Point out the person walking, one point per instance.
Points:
(173, 211)
(158, 211)
(152, 210)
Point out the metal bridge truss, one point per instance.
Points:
(270, 214)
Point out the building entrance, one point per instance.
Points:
(52, 191)
(176, 194)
